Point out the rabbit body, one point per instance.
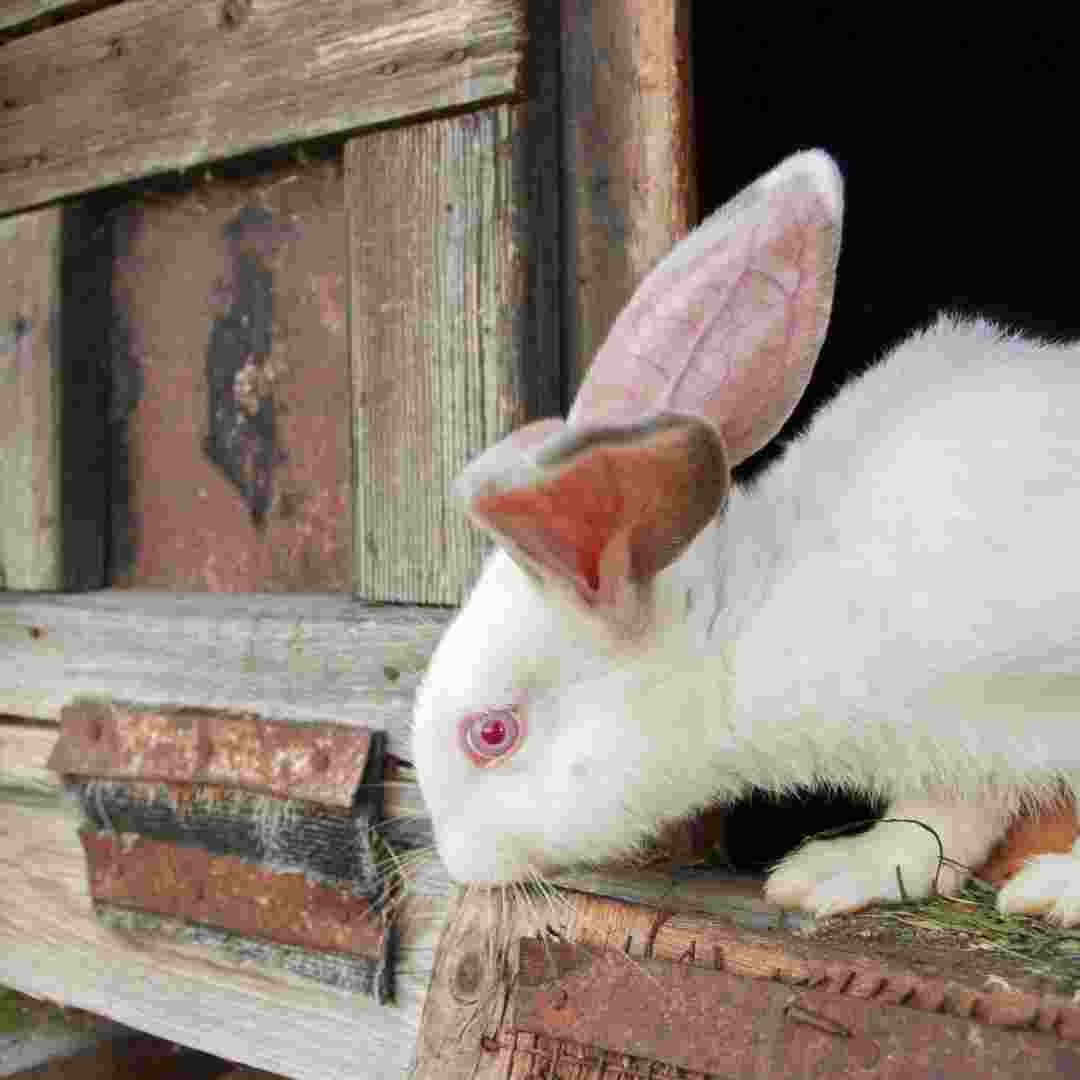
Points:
(902, 594)
(891, 607)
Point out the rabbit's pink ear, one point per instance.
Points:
(601, 510)
(727, 327)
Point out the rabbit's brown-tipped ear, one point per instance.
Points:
(727, 327)
(600, 510)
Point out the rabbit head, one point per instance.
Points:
(579, 698)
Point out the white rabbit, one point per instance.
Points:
(891, 607)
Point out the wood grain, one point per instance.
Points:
(52, 423)
(628, 155)
(444, 359)
(290, 657)
(31, 554)
(138, 89)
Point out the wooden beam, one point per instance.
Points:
(51, 417)
(629, 162)
(453, 333)
(290, 657)
(138, 89)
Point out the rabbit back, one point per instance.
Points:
(903, 583)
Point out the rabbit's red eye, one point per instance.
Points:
(489, 735)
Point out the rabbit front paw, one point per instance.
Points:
(1047, 885)
(885, 864)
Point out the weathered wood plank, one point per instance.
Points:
(629, 163)
(292, 657)
(24, 753)
(231, 381)
(31, 555)
(443, 360)
(138, 89)
(52, 422)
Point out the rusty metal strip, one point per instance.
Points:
(320, 762)
(228, 892)
(717, 1023)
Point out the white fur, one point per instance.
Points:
(1046, 885)
(891, 608)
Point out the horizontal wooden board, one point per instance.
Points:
(139, 89)
(298, 657)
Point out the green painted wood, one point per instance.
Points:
(30, 509)
(52, 424)
(451, 349)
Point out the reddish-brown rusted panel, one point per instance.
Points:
(230, 893)
(320, 762)
(727, 1025)
(231, 386)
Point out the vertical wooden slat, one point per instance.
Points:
(629, 162)
(30, 538)
(51, 418)
(453, 341)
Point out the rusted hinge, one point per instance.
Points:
(255, 827)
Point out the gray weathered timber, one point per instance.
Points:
(628, 155)
(52, 423)
(298, 657)
(30, 537)
(138, 89)
(445, 353)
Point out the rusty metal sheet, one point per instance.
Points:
(320, 762)
(715, 1024)
(228, 892)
